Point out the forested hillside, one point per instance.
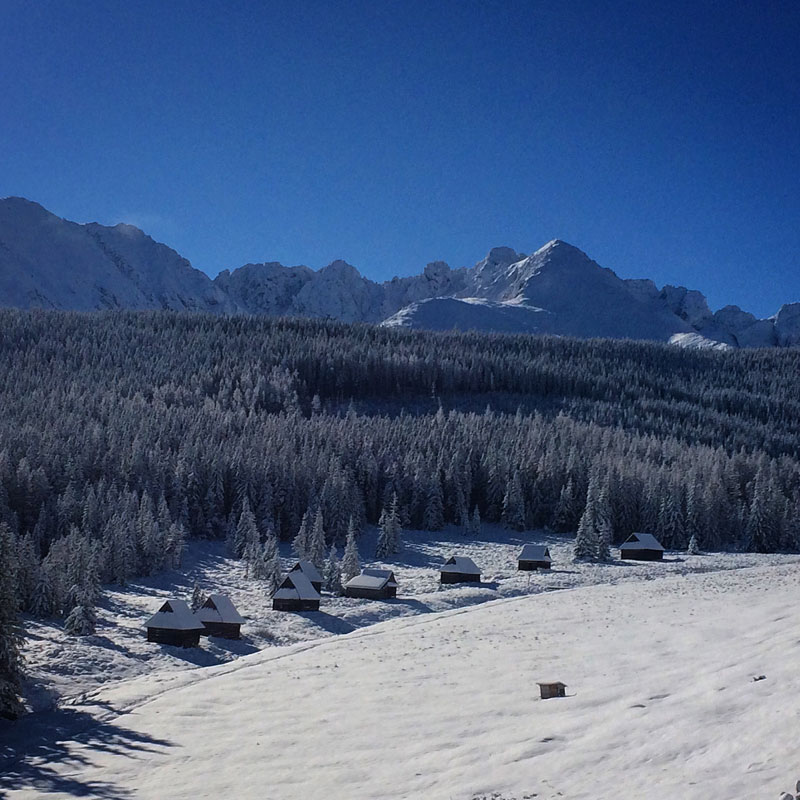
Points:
(124, 433)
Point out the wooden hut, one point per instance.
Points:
(220, 617)
(373, 584)
(174, 623)
(460, 569)
(296, 593)
(641, 547)
(380, 573)
(310, 571)
(534, 556)
(552, 689)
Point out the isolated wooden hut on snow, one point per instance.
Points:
(460, 569)
(174, 623)
(310, 571)
(552, 689)
(534, 556)
(220, 617)
(373, 584)
(641, 547)
(296, 593)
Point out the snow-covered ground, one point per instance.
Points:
(63, 667)
(662, 702)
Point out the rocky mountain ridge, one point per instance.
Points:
(49, 262)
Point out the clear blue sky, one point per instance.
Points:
(662, 139)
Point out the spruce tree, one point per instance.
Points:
(351, 566)
(694, 547)
(586, 538)
(433, 516)
(316, 545)
(513, 514)
(604, 529)
(332, 575)
(272, 571)
(198, 598)
(247, 539)
(10, 630)
(301, 542)
(82, 620)
(475, 524)
(44, 601)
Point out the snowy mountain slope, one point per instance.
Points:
(661, 698)
(49, 262)
(448, 313)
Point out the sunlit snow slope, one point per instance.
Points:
(661, 702)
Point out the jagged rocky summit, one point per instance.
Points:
(49, 262)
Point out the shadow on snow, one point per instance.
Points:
(32, 749)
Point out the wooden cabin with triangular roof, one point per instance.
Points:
(220, 617)
(174, 623)
(296, 593)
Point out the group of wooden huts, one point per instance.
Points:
(175, 623)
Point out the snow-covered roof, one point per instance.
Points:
(534, 552)
(461, 564)
(550, 683)
(364, 581)
(175, 615)
(219, 608)
(308, 569)
(296, 586)
(381, 573)
(641, 541)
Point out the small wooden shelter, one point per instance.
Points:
(552, 689)
(220, 617)
(374, 584)
(296, 593)
(310, 571)
(534, 556)
(174, 623)
(460, 569)
(641, 547)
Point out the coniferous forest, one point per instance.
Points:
(123, 434)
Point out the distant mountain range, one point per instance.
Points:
(49, 262)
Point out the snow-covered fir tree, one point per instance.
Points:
(587, 539)
(10, 630)
(389, 532)
(82, 620)
(513, 513)
(198, 597)
(332, 575)
(351, 565)
(316, 543)
(475, 523)
(694, 546)
(302, 540)
(604, 529)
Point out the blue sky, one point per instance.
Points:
(664, 141)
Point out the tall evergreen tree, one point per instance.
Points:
(513, 514)
(316, 545)
(332, 574)
(10, 630)
(302, 541)
(351, 566)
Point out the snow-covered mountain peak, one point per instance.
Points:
(50, 262)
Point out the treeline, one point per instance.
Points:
(122, 434)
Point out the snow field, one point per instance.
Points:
(64, 667)
(661, 702)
